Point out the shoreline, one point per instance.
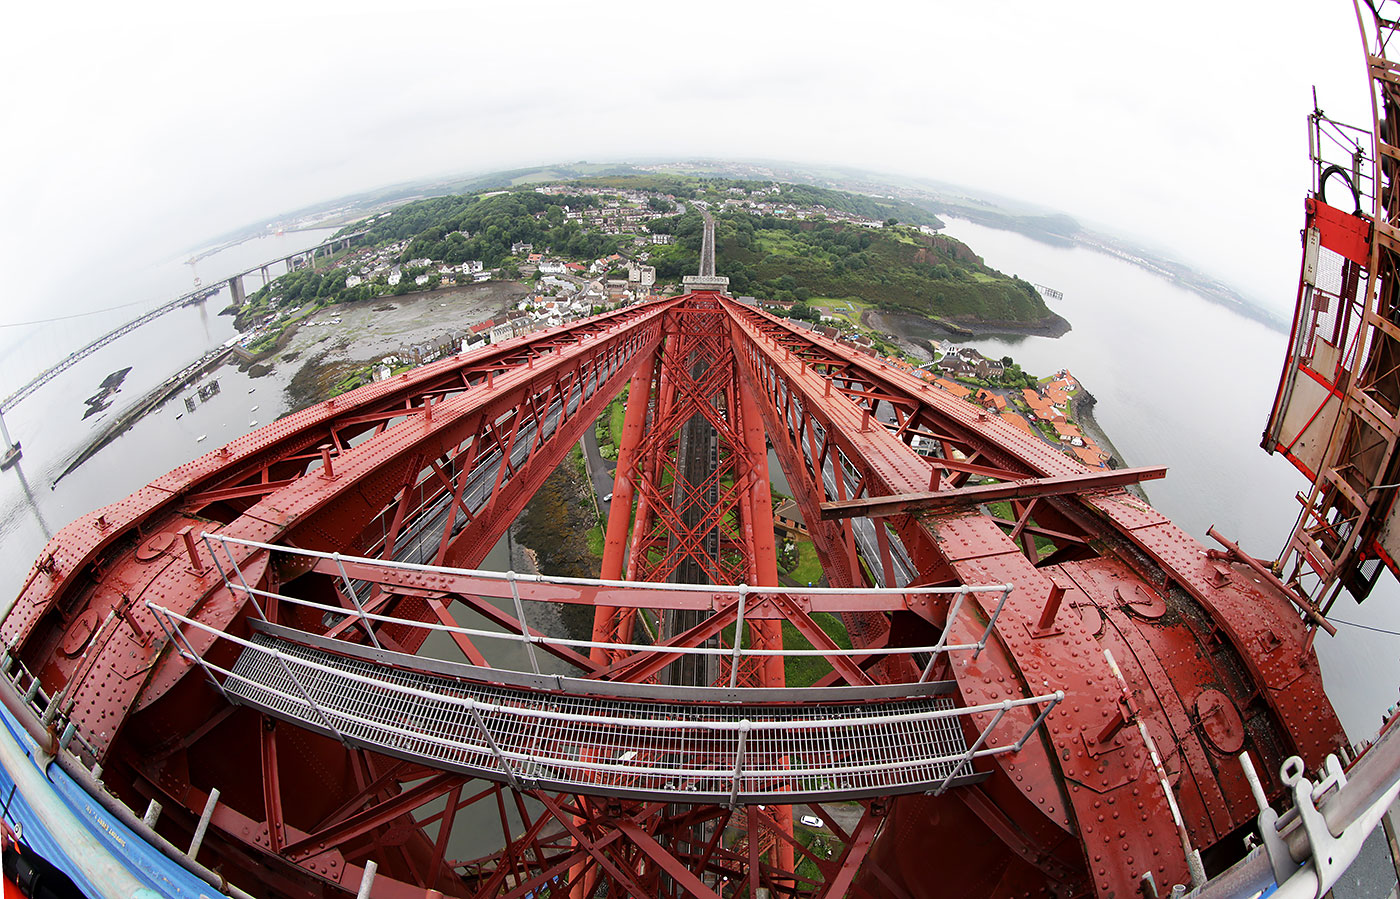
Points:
(1082, 408)
(370, 332)
(914, 327)
(311, 357)
(147, 404)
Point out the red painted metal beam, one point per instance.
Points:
(594, 847)
(821, 403)
(683, 876)
(377, 816)
(853, 855)
(272, 785)
(961, 498)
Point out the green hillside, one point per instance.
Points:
(895, 267)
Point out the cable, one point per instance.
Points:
(1364, 627)
(61, 318)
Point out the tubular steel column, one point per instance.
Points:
(616, 625)
(765, 633)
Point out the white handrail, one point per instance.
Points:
(726, 765)
(599, 582)
(510, 579)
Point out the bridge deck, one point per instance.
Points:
(613, 745)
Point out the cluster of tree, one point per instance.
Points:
(458, 229)
(1012, 376)
(303, 287)
(791, 260)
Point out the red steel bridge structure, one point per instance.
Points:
(1046, 688)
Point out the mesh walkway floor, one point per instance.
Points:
(609, 746)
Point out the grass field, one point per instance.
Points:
(616, 412)
(803, 671)
(808, 569)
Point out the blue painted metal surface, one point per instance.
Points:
(101, 855)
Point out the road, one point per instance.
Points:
(598, 471)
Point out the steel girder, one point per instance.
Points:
(841, 422)
(693, 458)
(434, 466)
(430, 467)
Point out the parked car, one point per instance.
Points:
(812, 821)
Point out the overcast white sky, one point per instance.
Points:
(135, 130)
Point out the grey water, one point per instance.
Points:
(197, 419)
(49, 424)
(1187, 383)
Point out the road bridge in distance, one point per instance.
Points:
(236, 290)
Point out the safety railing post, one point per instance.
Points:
(350, 591)
(203, 827)
(524, 628)
(367, 879)
(744, 725)
(992, 622)
(209, 545)
(966, 759)
(943, 637)
(247, 591)
(738, 638)
(1039, 719)
(306, 696)
(491, 742)
(172, 633)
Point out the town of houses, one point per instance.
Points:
(621, 211)
(567, 290)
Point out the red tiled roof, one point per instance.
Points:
(1041, 406)
(1058, 392)
(1089, 455)
(953, 387)
(1019, 421)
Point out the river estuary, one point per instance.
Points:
(1186, 383)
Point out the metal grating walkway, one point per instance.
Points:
(726, 753)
